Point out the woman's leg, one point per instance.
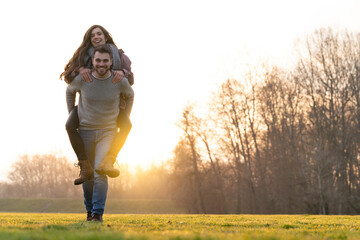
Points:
(106, 166)
(124, 123)
(125, 126)
(72, 124)
(77, 143)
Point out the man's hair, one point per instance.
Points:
(104, 48)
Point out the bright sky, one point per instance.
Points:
(181, 51)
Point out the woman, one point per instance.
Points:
(81, 64)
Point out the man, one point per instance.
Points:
(98, 110)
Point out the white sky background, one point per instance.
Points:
(181, 51)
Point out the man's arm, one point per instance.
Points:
(71, 90)
(128, 93)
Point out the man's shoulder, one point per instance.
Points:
(75, 83)
(78, 78)
(124, 81)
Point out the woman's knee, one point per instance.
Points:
(72, 122)
(124, 122)
(70, 127)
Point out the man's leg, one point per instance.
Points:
(88, 138)
(104, 139)
(72, 124)
(107, 165)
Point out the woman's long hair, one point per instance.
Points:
(72, 67)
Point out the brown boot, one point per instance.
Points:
(86, 172)
(106, 167)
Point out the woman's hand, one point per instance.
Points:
(85, 74)
(118, 75)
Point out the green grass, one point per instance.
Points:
(135, 226)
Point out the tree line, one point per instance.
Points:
(52, 176)
(278, 140)
(275, 141)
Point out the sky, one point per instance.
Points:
(181, 51)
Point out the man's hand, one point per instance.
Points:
(118, 75)
(85, 74)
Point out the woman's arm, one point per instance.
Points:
(126, 67)
(125, 70)
(85, 74)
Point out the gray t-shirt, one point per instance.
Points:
(99, 101)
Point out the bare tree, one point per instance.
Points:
(326, 73)
(44, 175)
(282, 138)
(182, 181)
(205, 134)
(236, 116)
(188, 125)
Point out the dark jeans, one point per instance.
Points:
(77, 143)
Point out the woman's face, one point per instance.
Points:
(97, 37)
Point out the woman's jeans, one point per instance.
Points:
(72, 125)
(77, 143)
(97, 144)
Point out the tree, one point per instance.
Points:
(43, 175)
(188, 124)
(281, 112)
(326, 74)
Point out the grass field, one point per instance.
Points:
(146, 226)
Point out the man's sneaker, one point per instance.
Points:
(96, 217)
(89, 216)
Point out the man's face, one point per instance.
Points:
(102, 63)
